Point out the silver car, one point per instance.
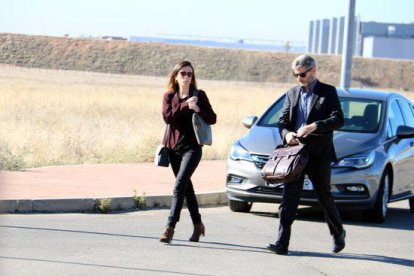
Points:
(375, 151)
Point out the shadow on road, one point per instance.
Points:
(364, 257)
(76, 231)
(176, 242)
(213, 246)
(137, 269)
(397, 218)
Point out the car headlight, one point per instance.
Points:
(358, 161)
(237, 152)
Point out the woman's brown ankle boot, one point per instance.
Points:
(167, 236)
(199, 230)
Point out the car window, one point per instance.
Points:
(271, 116)
(395, 119)
(360, 115)
(407, 110)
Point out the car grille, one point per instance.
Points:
(260, 160)
(279, 191)
(268, 190)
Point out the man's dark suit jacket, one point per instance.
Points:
(325, 111)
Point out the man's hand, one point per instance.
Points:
(306, 130)
(291, 138)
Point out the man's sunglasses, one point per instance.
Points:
(183, 73)
(302, 75)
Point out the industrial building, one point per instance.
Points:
(372, 39)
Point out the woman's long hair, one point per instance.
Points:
(172, 84)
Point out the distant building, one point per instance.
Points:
(223, 42)
(108, 37)
(372, 39)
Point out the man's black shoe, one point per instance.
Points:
(339, 242)
(278, 249)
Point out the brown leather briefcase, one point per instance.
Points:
(285, 164)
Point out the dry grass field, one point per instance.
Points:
(56, 117)
(51, 117)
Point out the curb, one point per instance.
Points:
(76, 205)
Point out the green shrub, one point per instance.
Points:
(10, 161)
(140, 201)
(104, 205)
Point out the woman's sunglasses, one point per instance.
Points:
(183, 73)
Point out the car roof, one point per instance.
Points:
(367, 94)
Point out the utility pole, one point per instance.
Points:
(348, 46)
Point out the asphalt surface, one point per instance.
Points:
(127, 243)
(80, 187)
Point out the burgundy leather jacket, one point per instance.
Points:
(174, 112)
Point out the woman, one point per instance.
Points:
(179, 104)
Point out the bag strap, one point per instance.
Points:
(167, 133)
(195, 94)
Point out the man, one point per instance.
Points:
(310, 114)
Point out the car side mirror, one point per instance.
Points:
(405, 132)
(249, 121)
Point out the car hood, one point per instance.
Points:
(263, 140)
(349, 143)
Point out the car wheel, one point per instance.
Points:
(240, 206)
(379, 213)
(411, 202)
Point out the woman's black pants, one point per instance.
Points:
(183, 166)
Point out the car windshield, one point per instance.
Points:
(361, 115)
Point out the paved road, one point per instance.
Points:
(127, 244)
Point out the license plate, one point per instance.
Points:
(307, 185)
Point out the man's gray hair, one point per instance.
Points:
(303, 61)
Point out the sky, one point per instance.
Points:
(279, 20)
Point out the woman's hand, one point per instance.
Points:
(192, 104)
